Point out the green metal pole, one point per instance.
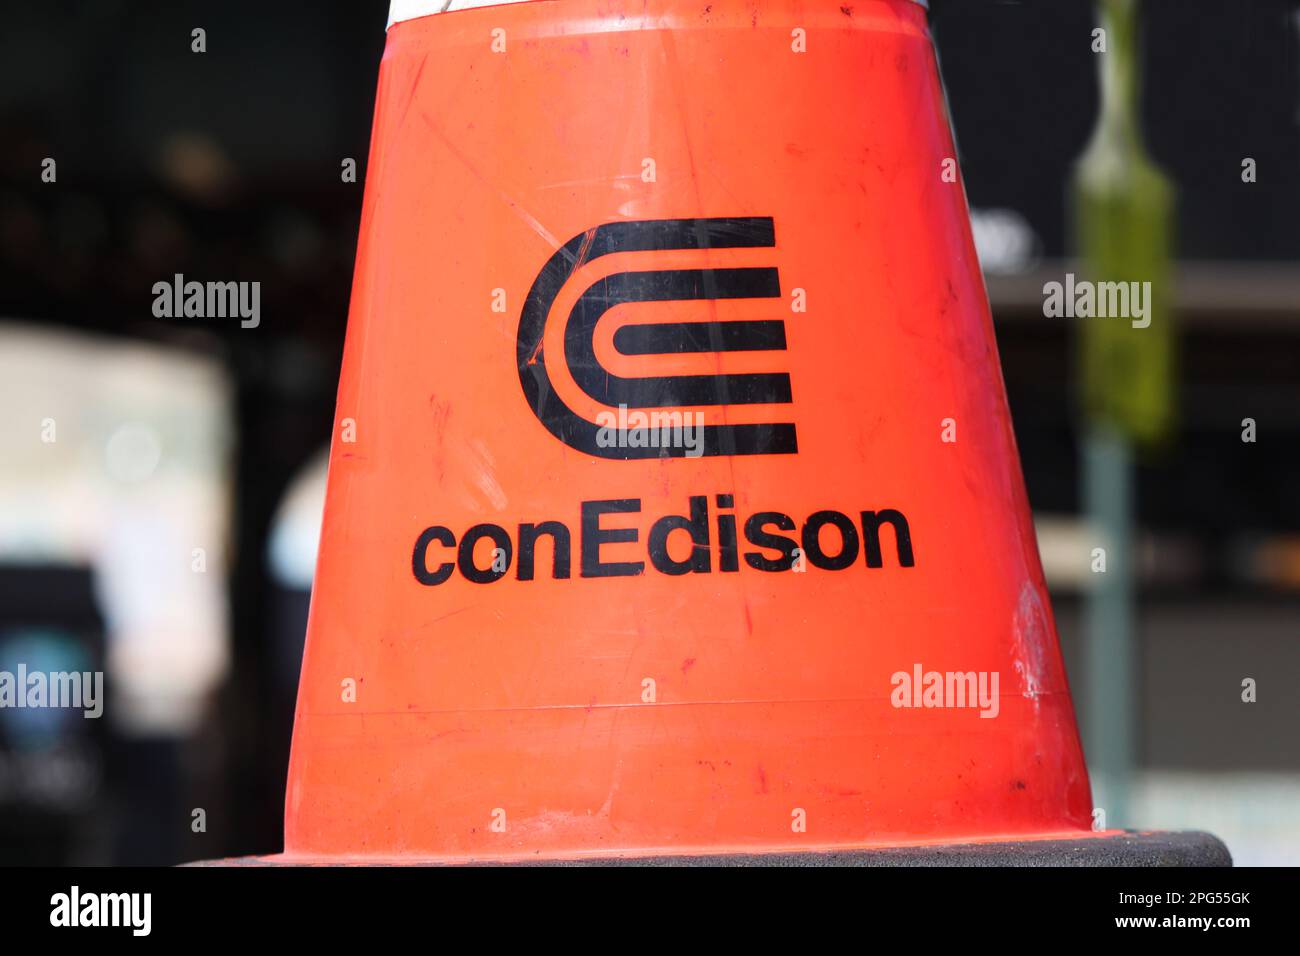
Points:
(1109, 612)
(1123, 214)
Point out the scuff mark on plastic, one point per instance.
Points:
(1031, 635)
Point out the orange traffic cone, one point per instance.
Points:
(674, 508)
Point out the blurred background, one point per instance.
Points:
(161, 482)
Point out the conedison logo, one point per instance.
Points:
(676, 544)
(662, 338)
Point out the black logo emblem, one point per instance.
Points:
(664, 285)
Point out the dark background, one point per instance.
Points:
(227, 164)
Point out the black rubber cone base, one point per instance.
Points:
(1117, 848)
(1125, 848)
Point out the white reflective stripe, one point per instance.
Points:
(410, 9)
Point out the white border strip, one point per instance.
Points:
(399, 10)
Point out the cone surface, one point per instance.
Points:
(626, 164)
